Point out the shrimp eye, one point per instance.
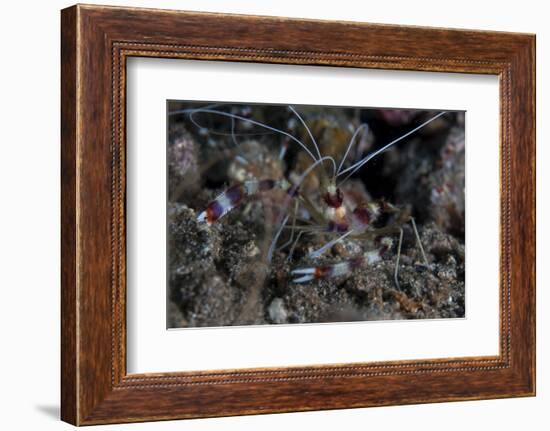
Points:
(335, 199)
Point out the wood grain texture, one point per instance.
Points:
(69, 330)
(96, 41)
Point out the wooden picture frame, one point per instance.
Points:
(95, 43)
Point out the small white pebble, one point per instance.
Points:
(277, 311)
(252, 250)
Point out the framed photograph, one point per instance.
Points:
(267, 215)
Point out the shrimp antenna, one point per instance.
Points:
(307, 129)
(312, 166)
(233, 132)
(356, 166)
(351, 142)
(275, 239)
(215, 132)
(192, 112)
(295, 187)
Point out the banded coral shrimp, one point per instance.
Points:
(319, 209)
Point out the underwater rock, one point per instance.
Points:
(435, 182)
(217, 279)
(182, 164)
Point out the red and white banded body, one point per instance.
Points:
(235, 195)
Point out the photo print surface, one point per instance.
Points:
(288, 214)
